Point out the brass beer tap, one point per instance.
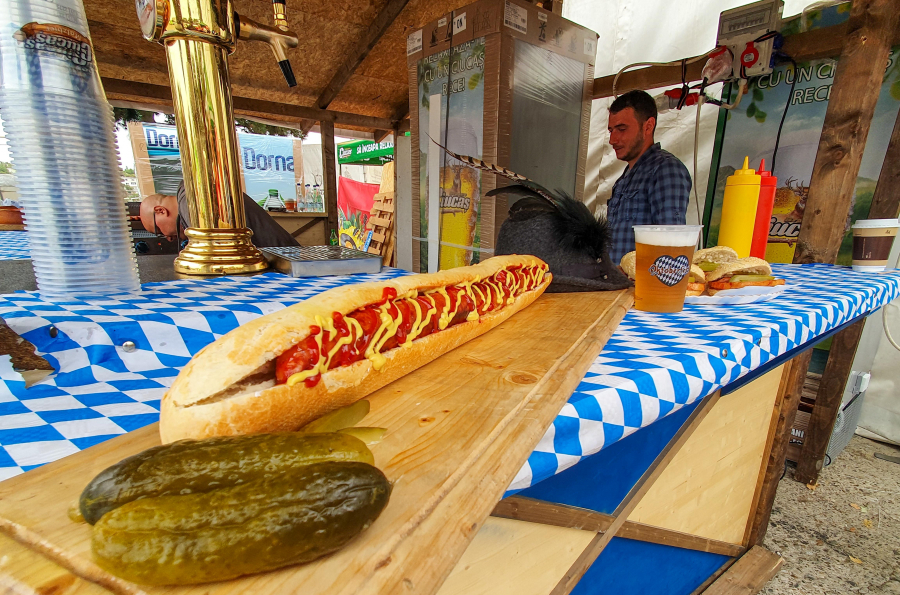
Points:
(198, 35)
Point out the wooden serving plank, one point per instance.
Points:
(459, 429)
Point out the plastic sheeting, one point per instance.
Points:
(652, 31)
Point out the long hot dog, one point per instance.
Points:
(283, 370)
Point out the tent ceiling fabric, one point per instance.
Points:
(327, 31)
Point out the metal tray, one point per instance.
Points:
(320, 261)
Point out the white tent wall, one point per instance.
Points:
(652, 31)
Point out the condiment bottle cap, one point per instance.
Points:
(745, 175)
(767, 179)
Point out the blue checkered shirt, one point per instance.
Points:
(653, 192)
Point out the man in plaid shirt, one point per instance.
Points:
(655, 186)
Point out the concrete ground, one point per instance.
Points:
(844, 536)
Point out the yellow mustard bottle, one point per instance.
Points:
(739, 210)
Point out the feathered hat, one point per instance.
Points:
(556, 228)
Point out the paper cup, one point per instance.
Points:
(872, 242)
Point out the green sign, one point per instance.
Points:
(365, 152)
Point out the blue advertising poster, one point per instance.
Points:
(267, 163)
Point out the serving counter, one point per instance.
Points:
(647, 480)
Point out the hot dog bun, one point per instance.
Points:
(229, 388)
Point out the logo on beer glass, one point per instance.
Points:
(670, 270)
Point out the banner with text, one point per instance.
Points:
(269, 164)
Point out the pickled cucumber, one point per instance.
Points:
(345, 417)
(261, 525)
(191, 466)
(751, 278)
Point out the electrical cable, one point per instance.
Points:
(696, 146)
(783, 115)
(675, 63)
(742, 88)
(884, 322)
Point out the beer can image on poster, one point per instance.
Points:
(787, 216)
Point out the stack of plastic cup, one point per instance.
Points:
(61, 137)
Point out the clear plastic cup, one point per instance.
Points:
(61, 138)
(662, 265)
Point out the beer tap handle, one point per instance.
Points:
(278, 6)
(288, 72)
(278, 39)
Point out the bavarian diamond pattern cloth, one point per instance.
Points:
(14, 245)
(652, 365)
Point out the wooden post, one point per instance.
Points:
(846, 128)
(870, 29)
(789, 395)
(329, 177)
(886, 200)
(828, 402)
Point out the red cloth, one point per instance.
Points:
(356, 196)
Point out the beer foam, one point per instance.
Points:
(667, 235)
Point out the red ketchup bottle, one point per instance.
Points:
(767, 187)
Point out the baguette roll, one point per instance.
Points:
(716, 254)
(697, 282)
(628, 264)
(230, 386)
(721, 278)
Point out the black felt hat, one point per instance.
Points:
(558, 229)
(562, 232)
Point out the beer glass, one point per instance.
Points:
(663, 265)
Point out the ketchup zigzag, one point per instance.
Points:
(396, 321)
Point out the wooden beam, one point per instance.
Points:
(789, 397)
(380, 135)
(848, 116)
(828, 402)
(304, 227)
(713, 577)
(126, 92)
(634, 495)
(650, 77)
(329, 177)
(820, 43)
(886, 200)
(358, 54)
(561, 515)
(748, 575)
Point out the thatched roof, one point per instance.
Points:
(332, 37)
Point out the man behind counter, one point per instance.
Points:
(655, 186)
(169, 216)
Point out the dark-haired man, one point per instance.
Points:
(167, 215)
(655, 187)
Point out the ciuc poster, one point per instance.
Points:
(751, 129)
(267, 162)
(457, 77)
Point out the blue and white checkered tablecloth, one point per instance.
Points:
(652, 365)
(14, 245)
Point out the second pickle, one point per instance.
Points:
(197, 466)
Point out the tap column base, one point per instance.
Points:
(219, 252)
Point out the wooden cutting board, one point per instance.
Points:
(458, 430)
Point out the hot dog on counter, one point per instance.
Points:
(283, 370)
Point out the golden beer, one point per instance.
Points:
(663, 265)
